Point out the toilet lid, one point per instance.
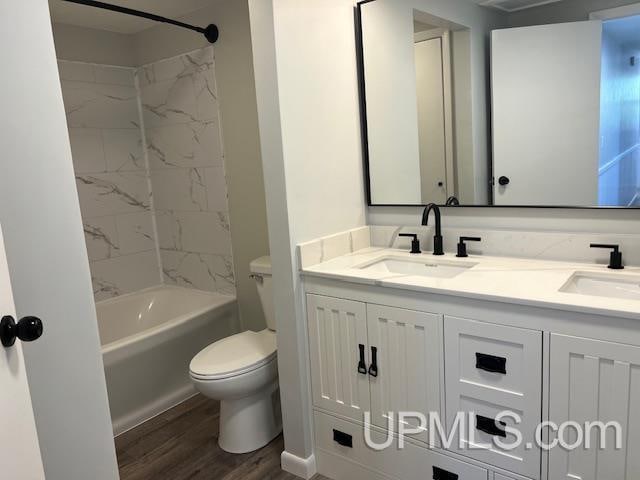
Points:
(235, 355)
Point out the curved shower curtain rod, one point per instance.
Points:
(210, 32)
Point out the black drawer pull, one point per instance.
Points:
(491, 363)
(490, 426)
(362, 366)
(373, 369)
(343, 439)
(440, 474)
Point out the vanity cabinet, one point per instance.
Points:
(491, 369)
(379, 350)
(595, 380)
(373, 358)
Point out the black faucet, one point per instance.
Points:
(437, 238)
(615, 259)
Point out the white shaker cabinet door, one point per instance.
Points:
(591, 381)
(339, 355)
(406, 345)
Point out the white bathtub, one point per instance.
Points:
(148, 339)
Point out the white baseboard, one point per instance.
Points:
(300, 467)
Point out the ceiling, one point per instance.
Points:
(91, 17)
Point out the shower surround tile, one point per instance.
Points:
(179, 189)
(153, 211)
(111, 176)
(123, 150)
(199, 270)
(185, 154)
(98, 105)
(87, 150)
(125, 274)
(196, 232)
(195, 144)
(113, 193)
(101, 237)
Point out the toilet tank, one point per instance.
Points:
(261, 272)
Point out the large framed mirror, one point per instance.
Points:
(501, 102)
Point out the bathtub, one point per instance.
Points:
(148, 339)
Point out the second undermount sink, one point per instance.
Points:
(603, 285)
(416, 266)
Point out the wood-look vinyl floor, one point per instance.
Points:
(182, 444)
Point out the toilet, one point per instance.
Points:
(241, 372)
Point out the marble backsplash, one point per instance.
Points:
(149, 168)
(560, 246)
(545, 245)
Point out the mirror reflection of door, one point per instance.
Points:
(433, 82)
(546, 113)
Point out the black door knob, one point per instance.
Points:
(27, 329)
(504, 181)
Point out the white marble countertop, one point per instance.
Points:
(508, 280)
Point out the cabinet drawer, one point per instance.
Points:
(490, 369)
(345, 439)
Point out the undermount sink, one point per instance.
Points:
(419, 266)
(603, 285)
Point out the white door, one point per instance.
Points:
(431, 120)
(546, 113)
(406, 345)
(20, 452)
(592, 380)
(339, 355)
(47, 257)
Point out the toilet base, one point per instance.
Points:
(248, 424)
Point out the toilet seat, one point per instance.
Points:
(236, 355)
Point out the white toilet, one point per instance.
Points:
(241, 372)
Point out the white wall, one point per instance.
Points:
(310, 135)
(48, 263)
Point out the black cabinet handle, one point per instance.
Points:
(504, 181)
(373, 369)
(362, 366)
(27, 329)
(343, 439)
(440, 474)
(491, 363)
(490, 426)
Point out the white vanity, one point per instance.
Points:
(547, 340)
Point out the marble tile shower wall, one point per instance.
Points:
(170, 146)
(182, 129)
(103, 118)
